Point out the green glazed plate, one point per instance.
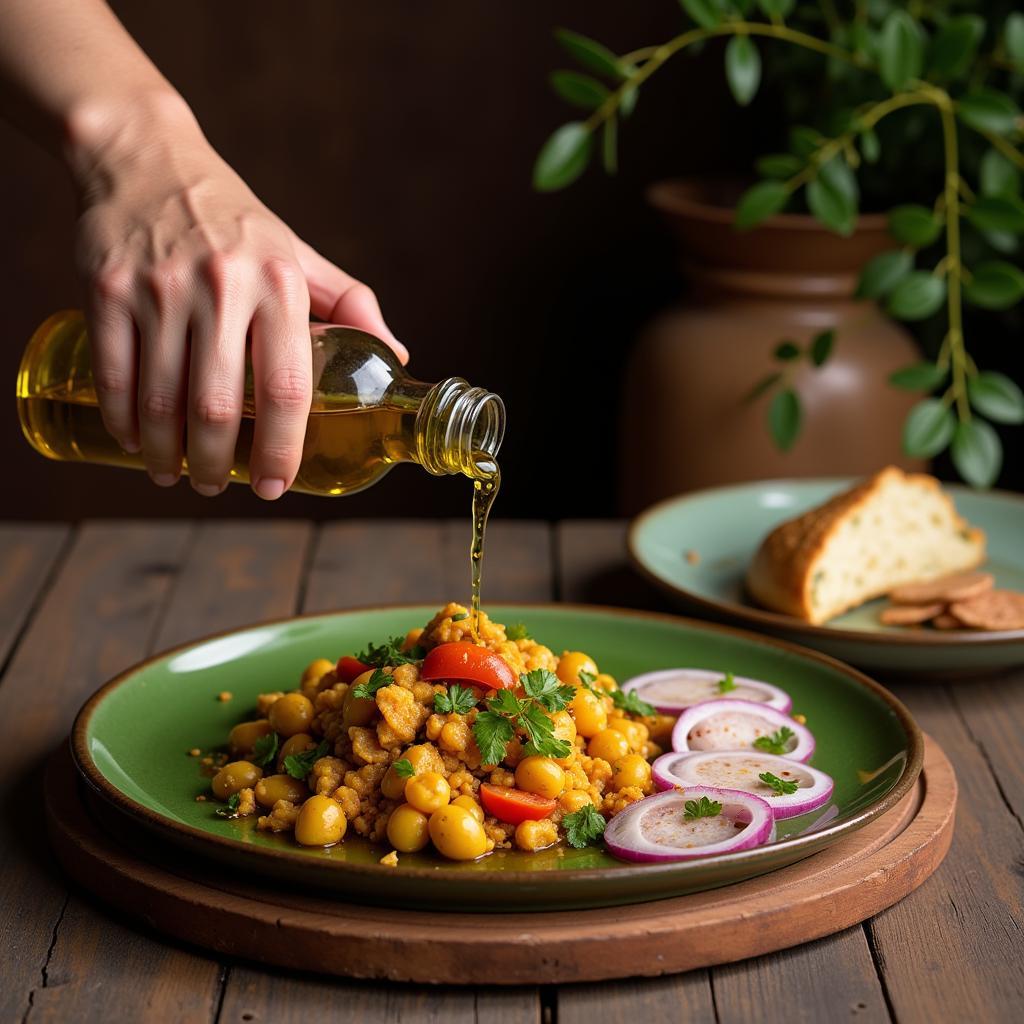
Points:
(724, 527)
(130, 743)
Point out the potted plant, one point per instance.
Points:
(881, 95)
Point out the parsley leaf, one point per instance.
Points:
(546, 689)
(702, 808)
(404, 768)
(460, 616)
(377, 681)
(390, 653)
(231, 811)
(298, 766)
(584, 826)
(783, 787)
(505, 703)
(459, 700)
(492, 732)
(727, 683)
(540, 731)
(517, 631)
(627, 700)
(776, 743)
(264, 750)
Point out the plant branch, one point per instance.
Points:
(1008, 149)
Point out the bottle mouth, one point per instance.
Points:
(459, 429)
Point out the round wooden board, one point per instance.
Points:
(208, 906)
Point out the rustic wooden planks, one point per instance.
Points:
(682, 997)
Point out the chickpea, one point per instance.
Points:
(242, 738)
(272, 788)
(408, 829)
(608, 744)
(573, 800)
(316, 670)
(631, 770)
(457, 834)
(321, 822)
(571, 664)
(412, 638)
(422, 757)
(540, 775)
(297, 744)
(358, 710)
(564, 728)
(536, 835)
(605, 682)
(291, 714)
(428, 792)
(233, 777)
(470, 805)
(635, 732)
(589, 713)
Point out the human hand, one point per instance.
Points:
(182, 262)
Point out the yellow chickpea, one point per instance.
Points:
(233, 777)
(358, 710)
(292, 714)
(470, 805)
(412, 638)
(573, 800)
(635, 732)
(242, 738)
(297, 744)
(321, 822)
(408, 829)
(536, 835)
(564, 728)
(423, 758)
(605, 682)
(571, 664)
(631, 770)
(608, 744)
(428, 792)
(457, 834)
(589, 713)
(317, 670)
(540, 775)
(280, 787)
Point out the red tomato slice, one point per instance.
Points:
(514, 805)
(349, 668)
(468, 662)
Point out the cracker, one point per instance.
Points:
(910, 614)
(996, 609)
(947, 621)
(957, 586)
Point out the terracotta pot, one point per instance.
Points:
(685, 424)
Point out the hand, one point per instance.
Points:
(182, 262)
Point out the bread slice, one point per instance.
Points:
(892, 529)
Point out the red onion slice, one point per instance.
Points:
(735, 725)
(657, 829)
(740, 769)
(673, 690)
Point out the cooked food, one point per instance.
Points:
(674, 690)
(963, 600)
(957, 586)
(910, 614)
(742, 725)
(893, 529)
(996, 609)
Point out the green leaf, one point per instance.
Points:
(704, 12)
(914, 225)
(627, 100)
(609, 145)
(579, 89)
(459, 700)
(1002, 241)
(742, 68)
(367, 690)
(702, 808)
(563, 158)
(955, 44)
(997, 213)
(760, 202)
(777, 742)
(838, 174)
(986, 110)
(997, 176)
(995, 285)
(917, 296)
(298, 766)
(629, 700)
(782, 787)
(784, 419)
(786, 351)
(900, 50)
(996, 396)
(870, 147)
(977, 453)
(763, 385)
(778, 165)
(883, 272)
(493, 733)
(404, 768)
(540, 733)
(831, 206)
(547, 689)
(390, 653)
(1013, 36)
(592, 55)
(727, 683)
(265, 750)
(919, 377)
(928, 429)
(777, 8)
(584, 826)
(517, 631)
(804, 141)
(821, 347)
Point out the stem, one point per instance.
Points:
(1008, 149)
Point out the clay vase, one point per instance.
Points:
(685, 424)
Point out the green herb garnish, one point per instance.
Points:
(776, 743)
(587, 681)
(584, 826)
(379, 679)
(493, 732)
(459, 700)
(727, 683)
(547, 689)
(390, 653)
(495, 728)
(627, 700)
(702, 808)
(264, 750)
(231, 811)
(298, 766)
(460, 616)
(404, 768)
(783, 787)
(517, 631)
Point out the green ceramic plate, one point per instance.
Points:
(130, 742)
(724, 526)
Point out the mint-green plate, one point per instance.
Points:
(130, 742)
(724, 527)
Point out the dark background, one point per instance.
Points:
(399, 139)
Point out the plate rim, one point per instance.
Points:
(777, 620)
(89, 771)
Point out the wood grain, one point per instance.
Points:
(681, 997)
(592, 566)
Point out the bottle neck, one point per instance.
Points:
(459, 429)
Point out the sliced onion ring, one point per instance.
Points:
(734, 725)
(673, 690)
(739, 769)
(656, 829)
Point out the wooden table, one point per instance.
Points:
(79, 604)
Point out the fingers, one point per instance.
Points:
(338, 298)
(282, 379)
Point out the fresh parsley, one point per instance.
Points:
(783, 787)
(584, 826)
(495, 728)
(390, 653)
(231, 811)
(547, 689)
(265, 750)
(517, 631)
(727, 683)
(587, 681)
(776, 743)
(493, 732)
(627, 700)
(460, 617)
(541, 732)
(377, 681)
(404, 768)
(459, 700)
(298, 766)
(702, 808)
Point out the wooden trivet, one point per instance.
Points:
(208, 906)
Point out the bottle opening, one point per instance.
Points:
(459, 429)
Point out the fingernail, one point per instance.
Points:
(207, 490)
(163, 479)
(269, 488)
(131, 447)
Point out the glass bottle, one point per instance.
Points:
(367, 413)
